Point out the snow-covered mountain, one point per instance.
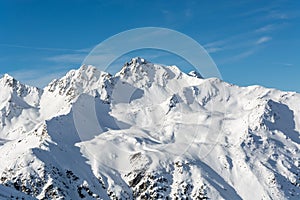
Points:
(148, 132)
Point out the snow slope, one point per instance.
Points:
(149, 132)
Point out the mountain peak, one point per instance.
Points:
(86, 79)
(195, 74)
(133, 65)
(87, 68)
(8, 80)
(8, 77)
(138, 60)
(135, 62)
(151, 132)
(16, 86)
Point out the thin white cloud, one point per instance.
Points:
(275, 14)
(243, 40)
(44, 80)
(218, 45)
(213, 49)
(257, 11)
(288, 64)
(67, 58)
(271, 12)
(285, 64)
(244, 54)
(265, 28)
(247, 47)
(263, 40)
(45, 48)
(240, 56)
(39, 77)
(238, 42)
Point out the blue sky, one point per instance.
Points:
(252, 42)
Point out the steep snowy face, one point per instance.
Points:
(142, 73)
(150, 132)
(141, 82)
(191, 135)
(60, 94)
(10, 87)
(195, 74)
(18, 106)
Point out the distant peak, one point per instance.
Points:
(195, 74)
(87, 71)
(8, 80)
(8, 77)
(132, 65)
(136, 61)
(87, 68)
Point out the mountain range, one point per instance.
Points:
(147, 132)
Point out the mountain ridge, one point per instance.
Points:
(150, 132)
